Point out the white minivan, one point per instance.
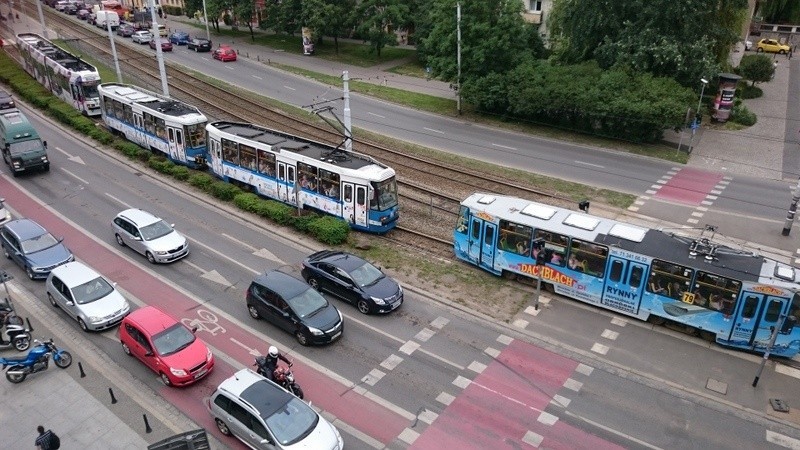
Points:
(107, 16)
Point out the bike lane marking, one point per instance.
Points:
(375, 417)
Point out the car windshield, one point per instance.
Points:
(156, 230)
(294, 421)
(173, 340)
(91, 291)
(366, 275)
(307, 303)
(20, 148)
(38, 243)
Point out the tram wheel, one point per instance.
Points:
(691, 331)
(508, 275)
(708, 336)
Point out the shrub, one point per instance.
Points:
(740, 114)
(247, 201)
(276, 211)
(201, 181)
(749, 91)
(180, 172)
(303, 221)
(223, 191)
(329, 230)
(160, 164)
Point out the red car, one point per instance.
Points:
(224, 53)
(166, 45)
(166, 346)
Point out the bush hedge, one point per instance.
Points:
(326, 229)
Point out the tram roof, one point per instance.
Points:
(55, 53)
(167, 106)
(286, 142)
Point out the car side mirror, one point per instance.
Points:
(148, 353)
(137, 238)
(70, 303)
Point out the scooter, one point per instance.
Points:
(37, 360)
(12, 331)
(282, 376)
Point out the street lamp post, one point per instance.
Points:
(695, 124)
(205, 16)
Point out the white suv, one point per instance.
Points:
(149, 235)
(265, 416)
(142, 37)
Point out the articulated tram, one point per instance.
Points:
(67, 76)
(731, 296)
(301, 172)
(156, 122)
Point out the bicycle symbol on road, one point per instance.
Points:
(207, 322)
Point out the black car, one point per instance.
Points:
(199, 45)
(6, 101)
(353, 280)
(71, 9)
(295, 307)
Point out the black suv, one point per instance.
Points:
(6, 101)
(295, 307)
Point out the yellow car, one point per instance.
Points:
(772, 46)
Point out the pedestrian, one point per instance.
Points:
(46, 440)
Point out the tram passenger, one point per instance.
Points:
(574, 264)
(715, 302)
(655, 285)
(674, 290)
(522, 248)
(699, 300)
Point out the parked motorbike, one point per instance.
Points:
(282, 376)
(13, 332)
(37, 360)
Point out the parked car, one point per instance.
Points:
(149, 235)
(354, 280)
(86, 296)
(83, 14)
(166, 346)
(224, 54)
(92, 19)
(179, 38)
(71, 9)
(294, 306)
(6, 101)
(33, 248)
(61, 5)
(142, 37)
(5, 215)
(199, 45)
(263, 415)
(166, 46)
(125, 30)
(772, 46)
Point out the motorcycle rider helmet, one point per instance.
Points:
(273, 351)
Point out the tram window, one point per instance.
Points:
(195, 134)
(794, 308)
(361, 197)
(171, 134)
(247, 156)
(329, 183)
(635, 279)
(555, 245)
(348, 193)
(515, 238)
(750, 306)
(716, 292)
(161, 128)
(149, 123)
(127, 112)
(616, 271)
(588, 258)
(230, 151)
(463, 217)
(179, 137)
(488, 237)
(308, 177)
(476, 230)
(773, 311)
(266, 163)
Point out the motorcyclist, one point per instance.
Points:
(268, 364)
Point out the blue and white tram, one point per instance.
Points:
(156, 122)
(730, 296)
(294, 170)
(65, 75)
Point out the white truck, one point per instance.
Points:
(107, 16)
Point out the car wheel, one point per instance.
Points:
(253, 312)
(165, 379)
(150, 258)
(52, 300)
(126, 349)
(29, 272)
(82, 324)
(119, 240)
(301, 337)
(313, 283)
(363, 306)
(222, 427)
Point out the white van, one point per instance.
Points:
(110, 16)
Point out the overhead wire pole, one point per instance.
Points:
(458, 45)
(114, 50)
(159, 53)
(41, 19)
(348, 126)
(205, 18)
(787, 226)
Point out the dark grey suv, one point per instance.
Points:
(32, 247)
(294, 306)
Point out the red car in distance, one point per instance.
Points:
(166, 45)
(166, 346)
(224, 54)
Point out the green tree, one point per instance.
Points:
(328, 18)
(377, 19)
(244, 10)
(494, 38)
(756, 68)
(283, 16)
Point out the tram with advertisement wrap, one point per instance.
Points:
(305, 173)
(733, 297)
(67, 76)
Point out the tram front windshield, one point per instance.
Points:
(90, 90)
(196, 135)
(385, 195)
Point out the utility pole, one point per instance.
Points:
(698, 114)
(458, 44)
(159, 53)
(787, 226)
(41, 19)
(348, 126)
(769, 348)
(538, 247)
(114, 51)
(205, 17)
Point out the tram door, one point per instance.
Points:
(286, 183)
(624, 285)
(216, 156)
(177, 150)
(482, 237)
(362, 206)
(757, 316)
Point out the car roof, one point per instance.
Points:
(282, 283)
(343, 260)
(151, 319)
(25, 228)
(264, 396)
(75, 273)
(139, 217)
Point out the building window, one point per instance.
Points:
(535, 6)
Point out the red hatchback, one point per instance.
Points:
(166, 346)
(166, 45)
(224, 54)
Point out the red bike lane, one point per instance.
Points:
(356, 410)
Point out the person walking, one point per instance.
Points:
(44, 441)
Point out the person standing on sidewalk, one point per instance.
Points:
(44, 439)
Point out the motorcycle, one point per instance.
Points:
(12, 331)
(37, 360)
(282, 376)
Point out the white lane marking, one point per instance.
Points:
(230, 68)
(194, 266)
(782, 440)
(72, 158)
(786, 370)
(74, 176)
(520, 323)
(503, 339)
(477, 367)
(462, 382)
(435, 131)
(584, 369)
(559, 400)
(590, 164)
(493, 352)
(573, 385)
(445, 398)
(619, 322)
(533, 439)
(409, 347)
(391, 362)
(290, 88)
(613, 431)
(608, 334)
(408, 436)
(440, 322)
(600, 348)
(256, 77)
(365, 438)
(547, 418)
(218, 253)
(428, 416)
(243, 244)
(503, 146)
(118, 200)
(376, 115)
(373, 377)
